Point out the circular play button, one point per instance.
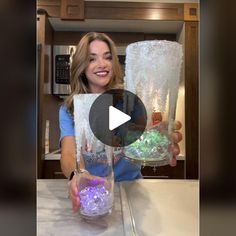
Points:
(117, 118)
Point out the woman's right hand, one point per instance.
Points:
(83, 179)
(73, 193)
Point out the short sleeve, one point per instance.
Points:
(66, 122)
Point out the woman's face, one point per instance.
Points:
(99, 71)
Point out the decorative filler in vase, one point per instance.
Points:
(152, 148)
(96, 200)
(96, 188)
(152, 72)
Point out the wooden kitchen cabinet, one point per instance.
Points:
(164, 172)
(43, 39)
(52, 170)
(47, 104)
(72, 9)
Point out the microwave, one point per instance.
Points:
(62, 58)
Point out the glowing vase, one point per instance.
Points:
(96, 190)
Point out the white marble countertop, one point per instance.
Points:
(142, 207)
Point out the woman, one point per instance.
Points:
(95, 69)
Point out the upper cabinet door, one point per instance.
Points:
(72, 10)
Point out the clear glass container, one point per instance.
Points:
(96, 189)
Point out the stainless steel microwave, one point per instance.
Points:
(62, 58)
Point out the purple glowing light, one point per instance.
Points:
(95, 200)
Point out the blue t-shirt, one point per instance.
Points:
(123, 169)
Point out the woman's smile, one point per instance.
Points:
(102, 73)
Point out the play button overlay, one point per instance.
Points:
(117, 118)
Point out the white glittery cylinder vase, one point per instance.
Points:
(152, 72)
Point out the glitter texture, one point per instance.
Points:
(84, 136)
(152, 72)
(83, 133)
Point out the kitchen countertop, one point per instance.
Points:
(142, 207)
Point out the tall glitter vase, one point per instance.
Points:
(95, 187)
(152, 72)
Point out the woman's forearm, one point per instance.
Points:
(68, 164)
(68, 156)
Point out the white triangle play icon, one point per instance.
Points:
(116, 118)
